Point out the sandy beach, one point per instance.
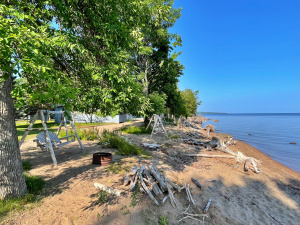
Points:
(238, 197)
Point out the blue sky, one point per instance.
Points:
(242, 55)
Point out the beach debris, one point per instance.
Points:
(145, 186)
(231, 141)
(250, 163)
(210, 145)
(212, 180)
(108, 189)
(210, 156)
(153, 181)
(209, 128)
(154, 187)
(151, 146)
(134, 174)
(207, 206)
(189, 195)
(193, 134)
(192, 216)
(189, 124)
(197, 183)
(126, 179)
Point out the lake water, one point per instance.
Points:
(271, 133)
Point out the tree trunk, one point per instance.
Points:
(12, 182)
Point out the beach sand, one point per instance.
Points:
(238, 197)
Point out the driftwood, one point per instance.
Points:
(165, 199)
(145, 186)
(155, 173)
(134, 180)
(154, 186)
(126, 179)
(197, 183)
(151, 146)
(250, 163)
(108, 189)
(134, 170)
(207, 206)
(211, 156)
(188, 192)
(209, 128)
(175, 186)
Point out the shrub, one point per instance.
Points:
(136, 130)
(115, 141)
(102, 197)
(85, 134)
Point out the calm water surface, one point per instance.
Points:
(271, 133)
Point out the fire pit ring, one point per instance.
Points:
(102, 158)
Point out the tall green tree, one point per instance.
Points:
(90, 52)
(191, 101)
(157, 67)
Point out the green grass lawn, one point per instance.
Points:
(23, 124)
(51, 125)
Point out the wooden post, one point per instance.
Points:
(150, 122)
(47, 138)
(29, 127)
(155, 122)
(60, 125)
(73, 126)
(66, 127)
(163, 126)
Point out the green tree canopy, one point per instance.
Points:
(191, 101)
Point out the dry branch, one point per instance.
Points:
(108, 189)
(207, 206)
(157, 176)
(154, 186)
(210, 156)
(197, 183)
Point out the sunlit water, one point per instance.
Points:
(271, 133)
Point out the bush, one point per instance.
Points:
(85, 134)
(115, 141)
(136, 130)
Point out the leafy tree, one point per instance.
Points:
(191, 101)
(88, 56)
(158, 70)
(158, 103)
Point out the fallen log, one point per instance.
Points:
(108, 189)
(155, 173)
(165, 198)
(134, 180)
(175, 186)
(207, 206)
(197, 183)
(126, 179)
(211, 156)
(145, 186)
(134, 170)
(154, 185)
